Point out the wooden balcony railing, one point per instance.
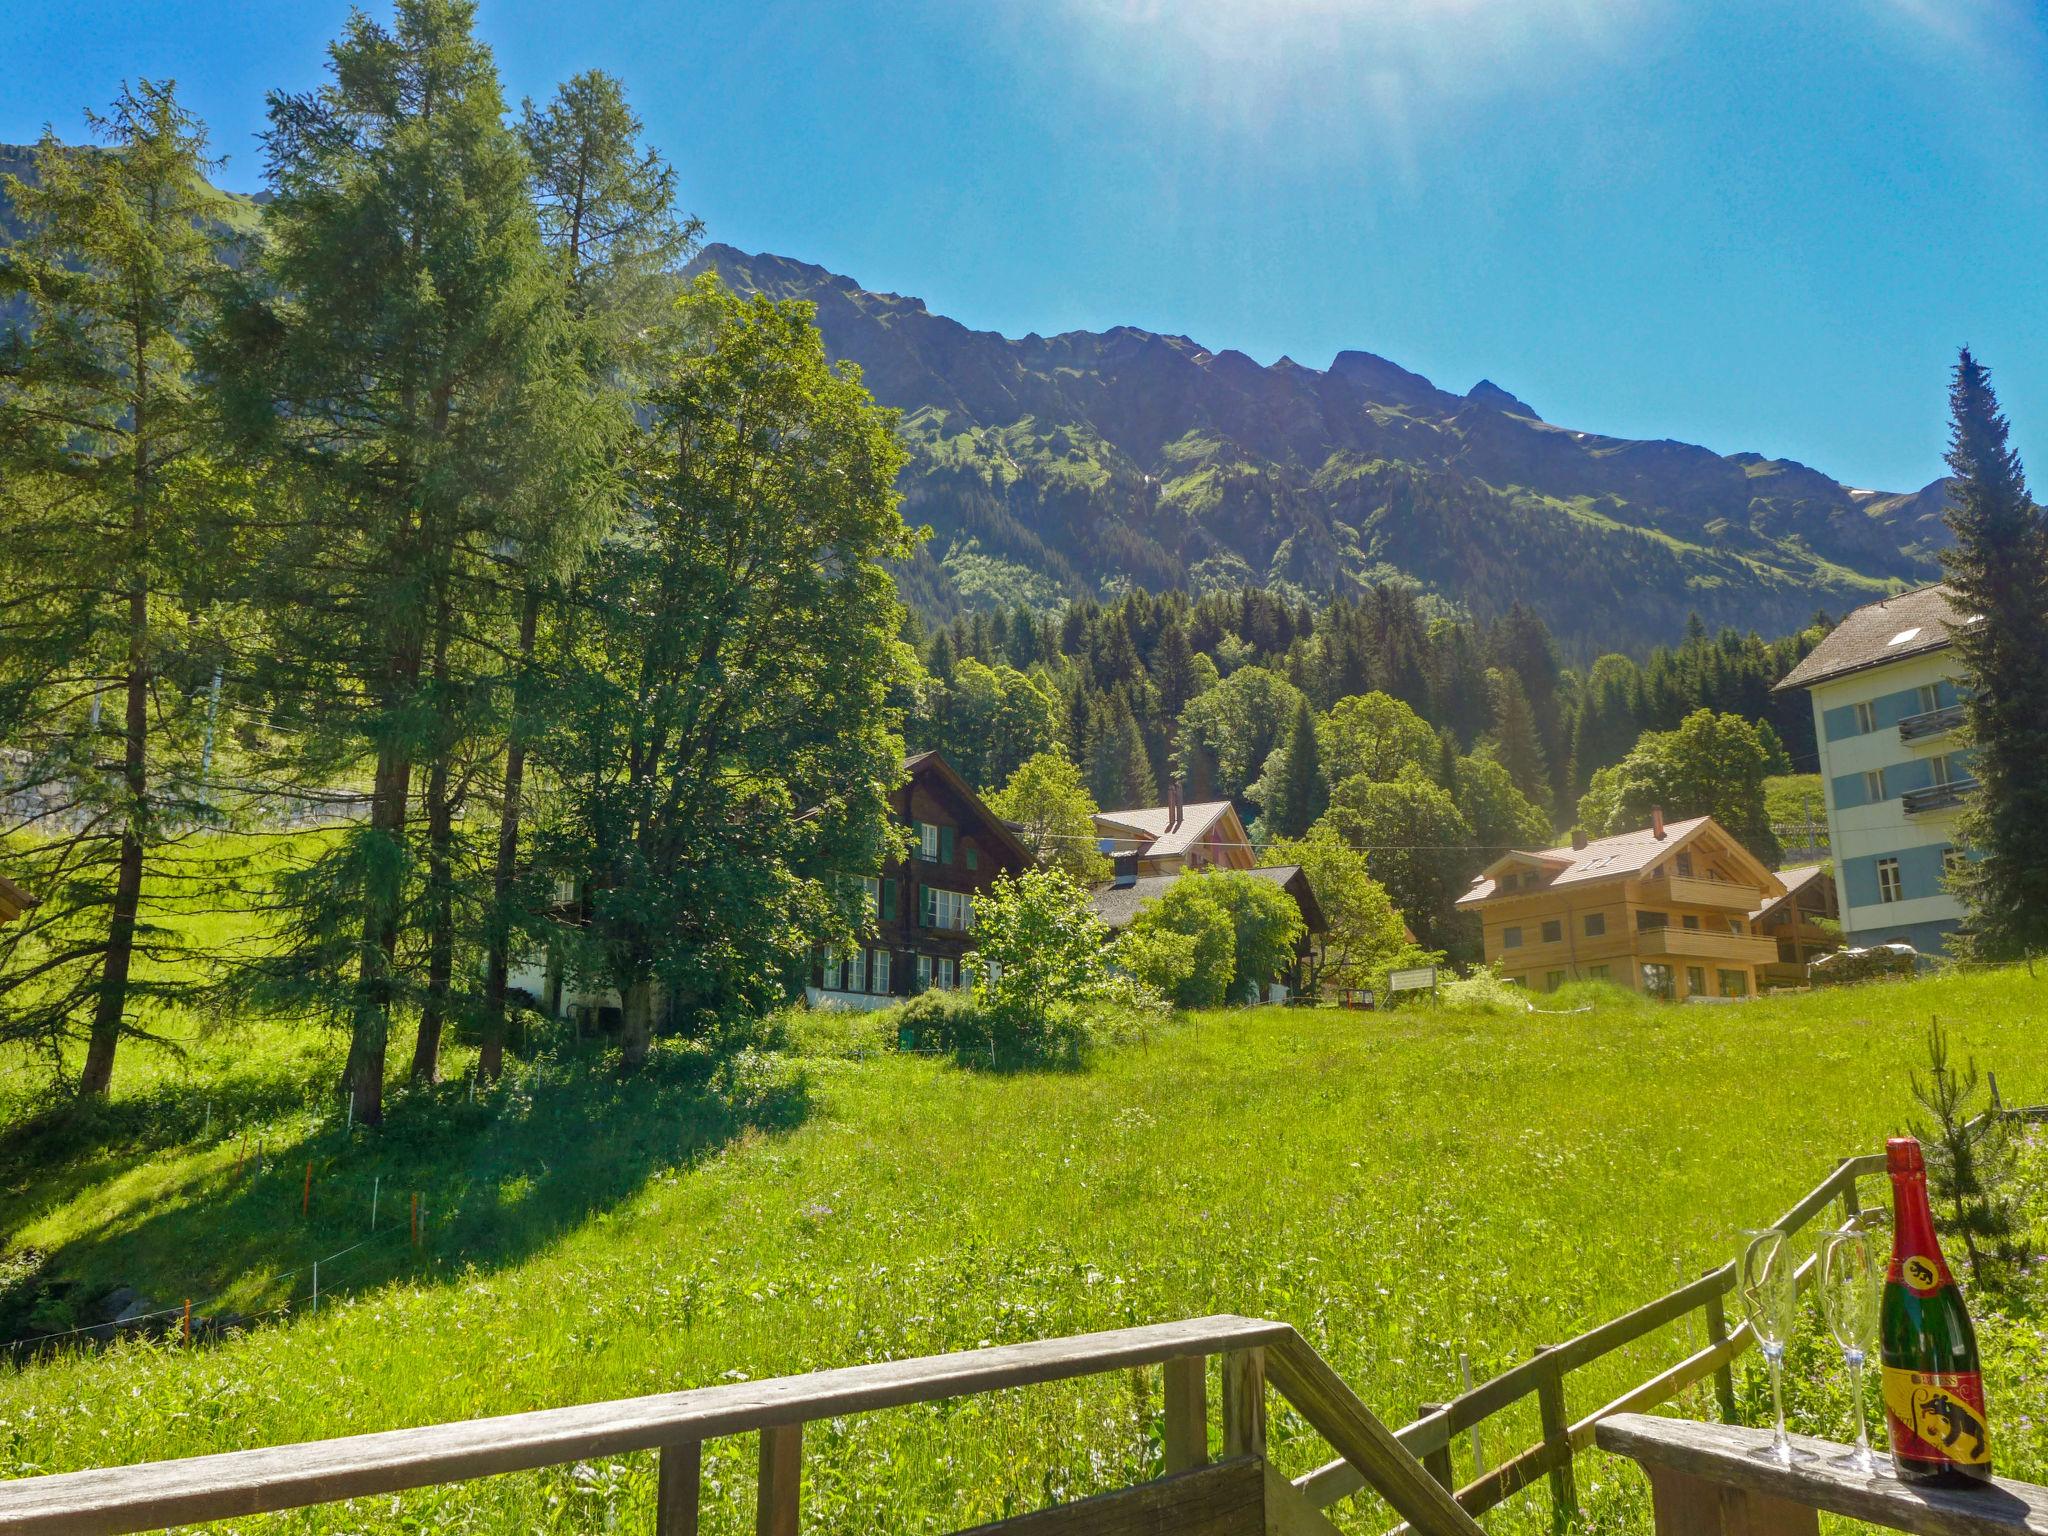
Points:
(1719, 1480)
(1693, 891)
(1933, 722)
(1936, 797)
(1236, 1495)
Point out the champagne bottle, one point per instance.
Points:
(1933, 1392)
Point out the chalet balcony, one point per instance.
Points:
(1704, 944)
(1934, 722)
(1691, 891)
(1937, 797)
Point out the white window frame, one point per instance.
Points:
(928, 841)
(924, 973)
(871, 897)
(1953, 862)
(857, 970)
(879, 968)
(1930, 698)
(1873, 786)
(1890, 888)
(1866, 717)
(1943, 768)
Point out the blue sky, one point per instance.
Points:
(1754, 225)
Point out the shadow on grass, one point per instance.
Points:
(498, 1173)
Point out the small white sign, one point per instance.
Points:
(1420, 979)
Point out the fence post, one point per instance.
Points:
(782, 1447)
(1564, 1494)
(1478, 1447)
(1437, 1463)
(676, 1491)
(1244, 1402)
(1724, 1376)
(1852, 1200)
(1187, 1413)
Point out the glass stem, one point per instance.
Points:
(1779, 1442)
(1856, 1388)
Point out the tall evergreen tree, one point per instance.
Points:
(1120, 773)
(1516, 739)
(405, 366)
(1998, 569)
(607, 211)
(105, 492)
(1293, 786)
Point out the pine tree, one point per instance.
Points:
(1515, 737)
(105, 492)
(404, 366)
(1120, 774)
(607, 211)
(1296, 791)
(1998, 571)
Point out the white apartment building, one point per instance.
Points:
(1886, 709)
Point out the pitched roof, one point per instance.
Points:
(1149, 823)
(1795, 879)
(1116, 905)
(945, 770)
(13, 900)
(1605, 858)
(1910, 624)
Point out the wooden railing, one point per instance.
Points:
(1718, 1480)
(1236, 1495)
(1544, 1376)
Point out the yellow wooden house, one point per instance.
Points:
(1664, 910)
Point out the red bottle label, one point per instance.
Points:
(1937, 1416)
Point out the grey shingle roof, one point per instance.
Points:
(1911, 624)
(1116, 905)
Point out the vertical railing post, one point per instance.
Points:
(1564, 1494)
(1724, 1373)
(1852, 1202)
(1437, 1463)
(1187, 1413)
(677, 1488)
(1244, 1402)
(782, 1448)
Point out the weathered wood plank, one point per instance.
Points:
(678, 1488)
(1682, 1505)
(1244, 1402)
(1319, 1395)
(1823, 1478)
(1289, 1514)
(781, 1482)
(1186, 1428)
(1557, 1438)
(1226, 1499)
(112, 1500)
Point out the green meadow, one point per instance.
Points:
(1401, 1188)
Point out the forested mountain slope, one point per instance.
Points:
(1050, 466)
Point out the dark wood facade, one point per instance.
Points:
(921, 912)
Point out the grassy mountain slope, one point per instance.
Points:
(1399, 1188)
(1082, 462)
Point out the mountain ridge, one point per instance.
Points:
(1081, 462)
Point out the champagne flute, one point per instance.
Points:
(1770, 1290)
(1851, 1290)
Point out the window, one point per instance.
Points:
(1657, 980)
(1552, 980)
(1943, 768)
(878, 972)
(1734, 983)
(1600, 972)
(1735, 924)
(1553, 932)
(928, 842)
(1691, 920)
(1930, 698)
(1648, 921)
(1596, 924)
(1866, 718)
(1511, 938)
(857, 971)
(1888, 888)
(1953, 862)
(942, 974)
(924, 972)
(947, 909)
(871, 898)
(1873, 786)
(973, 856)
(1685, 864)
(1695, 981)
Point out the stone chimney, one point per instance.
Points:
(1578, 839)
(1657, 822)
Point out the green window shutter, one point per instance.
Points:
(888, 901)
(945, 845)
(928, 917)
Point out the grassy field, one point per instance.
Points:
(1399, 1188)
